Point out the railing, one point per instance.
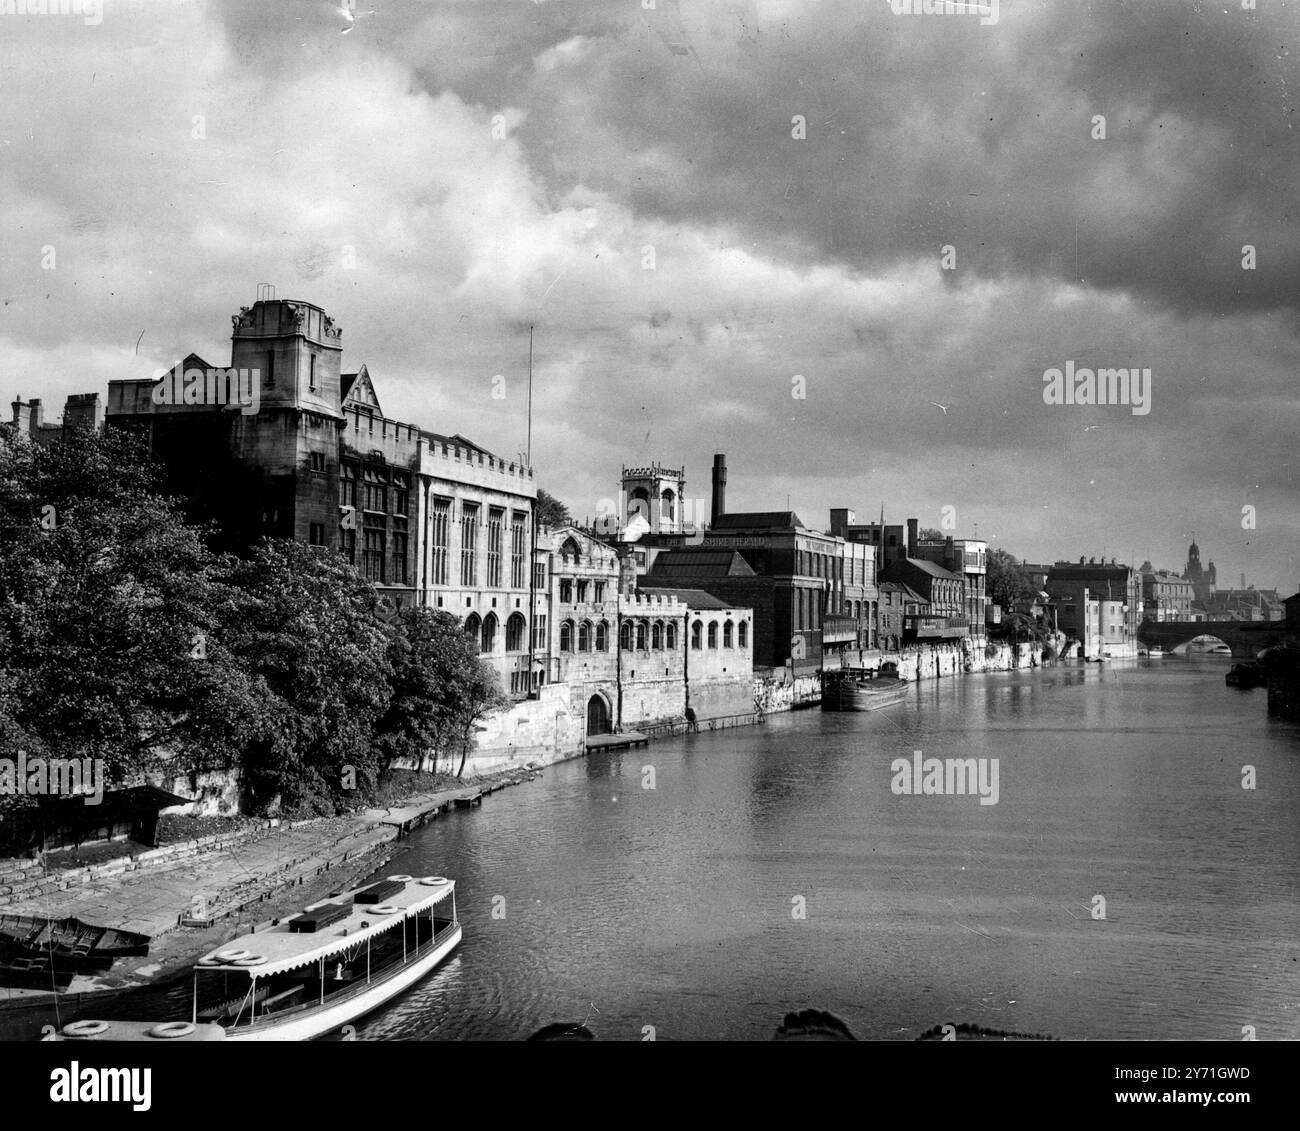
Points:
(681, 726)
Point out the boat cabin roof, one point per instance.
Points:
(281, 948)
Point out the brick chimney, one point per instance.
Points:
(719, 507)
(912, 525)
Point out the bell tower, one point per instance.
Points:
(655, 493)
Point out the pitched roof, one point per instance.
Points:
(692, 598)
(932, 568)
(906, 590)
(767, 520)
(691, 561)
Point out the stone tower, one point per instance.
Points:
(656, 493)
(296, 349)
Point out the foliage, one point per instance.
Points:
(1007, 583)
(550, 511)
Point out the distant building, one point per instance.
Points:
(898, 603)
(1202, 579)
(81, 410)
(1165, 595)
(1098, 604)
(943, 616)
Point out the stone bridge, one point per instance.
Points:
(1246, 638)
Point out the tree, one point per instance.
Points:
(1007, 584)
(105, 599)
(930, 534)
(305, 625)
(440, 688)
(550, 511)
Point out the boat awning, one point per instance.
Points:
(283, 949)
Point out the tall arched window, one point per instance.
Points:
(672, 634)
(726, 634)
(584, 636)
(489, 633)
(668, 504)
(640, 636)
(697, 634)
(474, 626)
(569, 551)
(657, 635)
(743, 633)
(515, 628)
(566, 636)
(713, 634)
(625, 636)
(602, 636)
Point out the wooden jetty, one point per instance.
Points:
(624, 741)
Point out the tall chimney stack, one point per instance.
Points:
(719, 488)
(912, 525)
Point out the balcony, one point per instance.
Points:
(839, 630)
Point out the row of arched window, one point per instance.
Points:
(484, 630)
(642, 636)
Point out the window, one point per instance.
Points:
(697, 634)
(439, 538)
(268, 374)
(742, 633)
(726, 634)
(566, 636)
(400, 574)
(582, 591)
(347, 484)
(376, 490)
(640, 636)
(469, 544)
(518, 541)
(672, 634)
(348, 545)
(317, 534)
(539, 575)
(625, 636)
(600, 592)
(401, 493)
(473, 626)
(373, 560)
(566, 591)
(318, 463)
(657, 635)
(584, 636)
(539, 631)
(713, 634)
(515, 633)
(496, 524)
(311, 372)
(602, 636)
(489, 633)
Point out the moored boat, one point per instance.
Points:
(57, 949)
(1245, 675)
(163, 1032)
(311, 973)
(862, 689)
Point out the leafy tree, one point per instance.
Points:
(550, 511)
(930, 534)
(1007, 584)
(440, 688)
(305, 625)
(104, 602)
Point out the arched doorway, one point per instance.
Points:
(597, 715)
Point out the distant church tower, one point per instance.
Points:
(655, 493)
(1202, 579)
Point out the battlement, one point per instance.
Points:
(655, 470)
(652, 604)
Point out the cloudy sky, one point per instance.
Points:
(696, 204)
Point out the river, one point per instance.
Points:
(677, 909)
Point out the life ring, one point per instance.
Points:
(85, 1028)
(401, 879)
(433, 881)
(384, 909)
(172, 1029)
(231, 955)
(251, 960)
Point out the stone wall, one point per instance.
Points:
(542, 730)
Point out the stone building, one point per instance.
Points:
(943, 593)
(633, 658)
(81, 410)
(1099, 604)
(1202, 578)
(1165, 595)
(430, 519)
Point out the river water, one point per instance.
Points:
(586, 897)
